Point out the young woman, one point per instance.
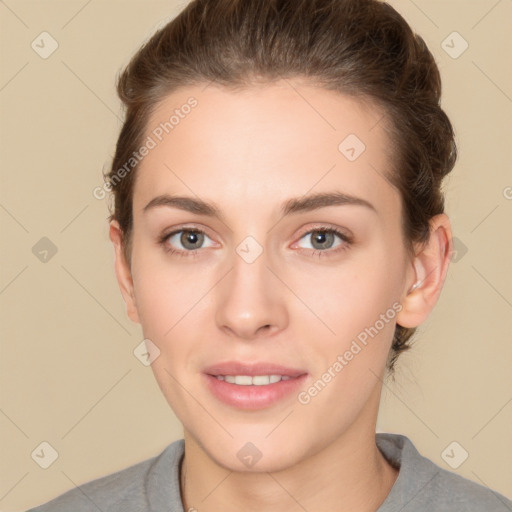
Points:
(279, 231)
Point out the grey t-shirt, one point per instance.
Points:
(153, 486)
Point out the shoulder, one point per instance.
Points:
(132, 488)
(423, 485)
(454, 492)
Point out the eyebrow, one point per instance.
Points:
(291, 206)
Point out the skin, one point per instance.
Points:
(248, 152)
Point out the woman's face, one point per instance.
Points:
(264, 281)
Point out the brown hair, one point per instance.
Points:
(362, 48)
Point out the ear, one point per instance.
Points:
(429, 269)
(123, 272)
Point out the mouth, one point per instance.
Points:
(252, 386)
(256, 380)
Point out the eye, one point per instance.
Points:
(187, 241)
(323, 240)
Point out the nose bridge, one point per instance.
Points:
(250, 297)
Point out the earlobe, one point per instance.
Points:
(430, 268)
(123, 272)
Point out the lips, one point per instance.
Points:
(252, 369)
(243, 386)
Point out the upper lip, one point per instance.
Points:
(252, 369)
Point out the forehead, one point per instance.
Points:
(263, 144)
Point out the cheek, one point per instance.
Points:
(171, 305)
(359, 305)
(350, 362)
(164, 292)
(352, 297)
(168, 302)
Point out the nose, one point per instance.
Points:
(250, 301)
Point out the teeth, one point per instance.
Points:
(248, 380)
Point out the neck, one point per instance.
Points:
(348, 474)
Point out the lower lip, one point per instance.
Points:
(253, 397)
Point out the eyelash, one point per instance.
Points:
(315, 252)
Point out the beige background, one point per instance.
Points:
(68, 373)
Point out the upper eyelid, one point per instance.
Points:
(325, 227)
(186, 228)
(338, 231)
(317, 227)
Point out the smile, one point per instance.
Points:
(256, 380)
(253, 392)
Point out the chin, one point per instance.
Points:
(246, 453)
